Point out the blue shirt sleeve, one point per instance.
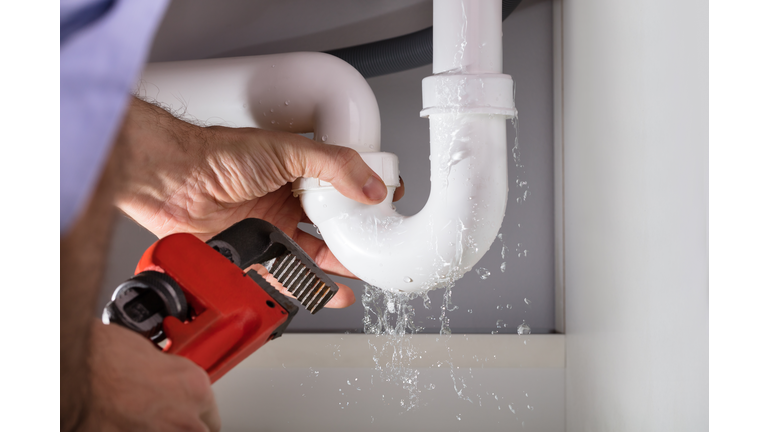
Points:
(104, 44)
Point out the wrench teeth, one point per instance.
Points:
(301, 282)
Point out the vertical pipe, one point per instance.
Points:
(467, 37)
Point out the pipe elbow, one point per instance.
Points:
(448, 236)
(300, 92)
(319, 93)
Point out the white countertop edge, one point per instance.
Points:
(307, 350)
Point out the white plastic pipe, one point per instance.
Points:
(467, 37)
(295, 92)
(467, 103)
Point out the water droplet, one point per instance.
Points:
(527, 301)
(503, 267)
(391, 306)
(509, 306)
(287, 103)
(523, 329)
(272, 110)
(273, 65)
(483, 272)
(407, 279)
(458, 417)
(469, 310)
(273, 122)
(511, 409)
(498, 325)
(324, 138)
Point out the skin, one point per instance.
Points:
(171, 176)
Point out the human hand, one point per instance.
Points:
(184, 178)
(136, 387)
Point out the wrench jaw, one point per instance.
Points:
(255, 241)
(311, 290)
(279, 299)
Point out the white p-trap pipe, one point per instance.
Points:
(467, 102)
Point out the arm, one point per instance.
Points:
(171, 176)
(111, 378)
(83, 250)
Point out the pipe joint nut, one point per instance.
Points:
(468, 94)
(385, 165)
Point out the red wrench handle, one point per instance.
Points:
(231, 314)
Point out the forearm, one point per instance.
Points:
(83, 258)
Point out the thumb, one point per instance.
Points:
(340, 166)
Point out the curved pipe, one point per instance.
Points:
(449, 235)
(295, 92)
(467, 102)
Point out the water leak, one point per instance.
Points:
(483, 272)
(523, 329)
(390, 315)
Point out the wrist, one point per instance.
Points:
(158, 152)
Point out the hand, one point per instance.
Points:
(184, 178)
(136, 387)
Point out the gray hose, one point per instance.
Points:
(399, 53)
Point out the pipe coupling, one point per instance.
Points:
(468, 94)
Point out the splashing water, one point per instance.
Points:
(389, 314)
(483, 272)
(523, 329)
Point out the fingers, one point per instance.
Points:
(400, 191)
(134, 383)
(320, 254)
(341, 166)
(343, 298)
(198, 389)
(211, 418)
